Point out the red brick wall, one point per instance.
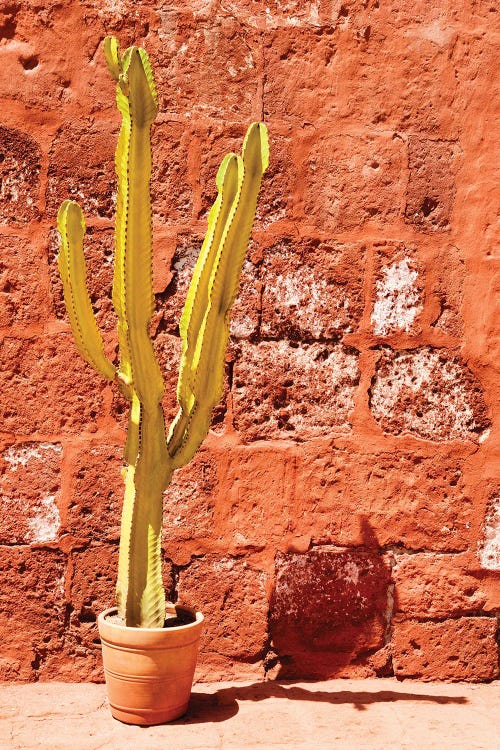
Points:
(343, 516)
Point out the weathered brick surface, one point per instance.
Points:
(461, 649)
(32, 609)
(355, 451)
(384, 499)
(311, 289)
(328, 611)
(429, 393)
(232, 595)
(30, 493)
(309, 390)
(20, 164)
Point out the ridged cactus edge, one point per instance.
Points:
(151, 452)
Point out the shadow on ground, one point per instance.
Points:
(223, 704)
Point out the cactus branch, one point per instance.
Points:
(205, 318)
(73, 271)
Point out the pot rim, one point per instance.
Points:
(126, 628)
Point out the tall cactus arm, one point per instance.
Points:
(132, 284)
(72, 268)
(140, 593)
(202, 364)
(197, 297)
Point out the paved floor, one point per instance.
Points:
(338, 715)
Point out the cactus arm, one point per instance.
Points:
(203, 364)
(140, 592)
(73, 272)
(196, 300)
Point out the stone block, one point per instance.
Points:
(231, 593)
(489, 545)
(226, 85)
(30, 485)
(47, 387)
(431, 184)
(20, 165)
(460, 649)
(429, 393)
(189, 501)
(311, 289)
(449, 267)
(33, 608)
(82, 168)
(171, 191)
(308, 390)
(328, 610)
(254, 506)
(429, 586)
(380, 499)
(23, 282)
(351, 180)
(96, 494)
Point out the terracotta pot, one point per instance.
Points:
(149, 671)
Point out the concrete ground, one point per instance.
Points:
(338, 715)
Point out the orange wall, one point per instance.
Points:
(343, 516)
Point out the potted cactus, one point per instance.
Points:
(149, 646)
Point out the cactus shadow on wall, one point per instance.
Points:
(329, 611)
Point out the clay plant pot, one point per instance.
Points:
(149, 671)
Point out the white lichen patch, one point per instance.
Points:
(428, 393)
(29, 513)
(489, 550)
(398, 300)
(44, 523)
(20, 455)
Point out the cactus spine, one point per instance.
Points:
(150, 455)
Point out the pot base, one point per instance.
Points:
(149, 671)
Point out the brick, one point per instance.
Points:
(31, 632)
(47, 387)
(429, 586)
(41, 54)
(275, 13)
(171, 191)
(327, 610)
(311, 289)
(20, 165)
(417, 92)
(352, 498)
(231, 593)
(225, 86)
(431, 184)
(308, 392)
(30, 485)
(81, 168)
(350, 180)
(251, 479)
(450, 271)
(96, 494)
(461, 649)
(23, 286)
(298, 85)
(429, 393)
(190, 501)
(280, 182)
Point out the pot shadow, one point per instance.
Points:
(223, 704)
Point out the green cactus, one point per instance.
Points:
(150, 455)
